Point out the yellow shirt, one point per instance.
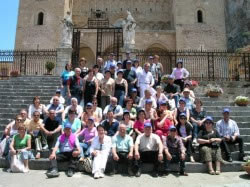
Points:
(33, 126)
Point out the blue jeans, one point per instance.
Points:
(64, 91)
(85, 149)
(195, 130)
(119, 94)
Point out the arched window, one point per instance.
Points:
(200, 16)
(40, 18)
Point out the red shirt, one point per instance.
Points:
(139, 126)
(165, 127)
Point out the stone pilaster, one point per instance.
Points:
(63, 57)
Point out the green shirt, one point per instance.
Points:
(122, 144)
(21, 143)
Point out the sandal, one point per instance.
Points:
(217, 172)
(211, 172)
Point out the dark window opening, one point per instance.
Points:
(135, 9)
(40, 18)
(200, 16)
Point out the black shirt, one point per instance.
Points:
(51, 125)
(172, 88)
(129, 75)
(203, 134)
(111, 129)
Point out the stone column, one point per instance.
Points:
(63, 57)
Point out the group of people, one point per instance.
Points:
(119, 112)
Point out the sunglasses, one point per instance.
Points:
(183, 118)
(19, 119)
(36, 115)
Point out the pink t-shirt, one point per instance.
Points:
(88, 134)
(178, 73)
(139, 126)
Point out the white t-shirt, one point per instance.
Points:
(150, 143)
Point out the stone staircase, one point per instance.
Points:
(18, 93)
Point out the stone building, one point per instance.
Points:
(165, 24)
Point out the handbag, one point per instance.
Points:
(2, 147)
(87, 165)
(16, 165)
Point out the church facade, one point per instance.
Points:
(164, 24)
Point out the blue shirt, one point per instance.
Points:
(77, 124)
(66, 75)
(64, 146)
(110, 128)
(122, 144)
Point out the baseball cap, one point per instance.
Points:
(119, 62)
(91, 119)
(147, 124)
(209, 118)
(183, 115)
(186, 90)
(163, 102)
(120, 71)
(126, 112)
(67, 125)
(89, 104)
(148, 101)
(133, 90)
(226, 110)
(172, 128)
(183, 100)
(129, 62)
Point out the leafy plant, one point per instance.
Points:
(50, 66)
(14, 73)
(241, 99)
(213, 88)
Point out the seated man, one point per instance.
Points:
(51, 129)
(117, 109)
(174, 150)
(172, 90)
(58, 94)
(229, 131)
(148, 148)
(74, 106)
(147, 96)
(110, 124)
(122, 149)
(69, 148)
(56, 106)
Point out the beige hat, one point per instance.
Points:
(186, 90)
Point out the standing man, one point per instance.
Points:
(109, 62)
(124, 63)
(75, 85)
(130, 76)
(159, 69)
(148, 149)
(122, 149)
(229, 131)
(145, 80)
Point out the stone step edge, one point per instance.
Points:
(44, 164)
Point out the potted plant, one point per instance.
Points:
(213, 90)
(14, 73)
(49, 66)
(246, 166)
(241, 100)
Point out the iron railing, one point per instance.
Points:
(202, 65)
(25, 62)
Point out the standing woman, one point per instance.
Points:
(121, 88)
(83, 67)
(107, 89)
(21, 144)
(37, 106)
(66, 74)
(90, 87)
(180, 74)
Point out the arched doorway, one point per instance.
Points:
(88, 54)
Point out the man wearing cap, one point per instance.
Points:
(174, 150)
(122, 149)
(172, 90)
(135, 98)
(117, 109)
(69, 150)
(130, 76)
(145, 80)
(110, 124)
(58, 94)
(147, 96)
(148, 149)
(124, 64)
(110, 62)
(189, 100)
(229, 131)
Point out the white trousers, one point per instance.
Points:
(100, 161)
(143, 87)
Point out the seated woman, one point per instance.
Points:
(162, 124)
(36, 106)
(181, 109)
(74, 106)
(86, 137)
(209, 140)
(197, 117)
(184, 130)
(10, 131)
(128, 122)
(159, 95)
(150, 111)
(21, 144)
(100, 149)
(139, 123)
(129, 107)
(76, 124)
(89, 113)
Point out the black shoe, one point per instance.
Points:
(183, 173)
(53, 173)
(155, 174)
(229, 159)
(138, 173)
(130, 171)
(70, 173)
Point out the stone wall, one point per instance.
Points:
(190, 34)
(30, 35)
(237, 23)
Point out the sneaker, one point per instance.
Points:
(70, 173)
(96, 175)
(138, 173)
(183, 173)
(45, 147)
(101, 175)
(53, 173)
(155, 174)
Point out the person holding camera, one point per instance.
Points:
(209, 140)
(229, 131)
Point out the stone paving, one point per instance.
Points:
(38, 178)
